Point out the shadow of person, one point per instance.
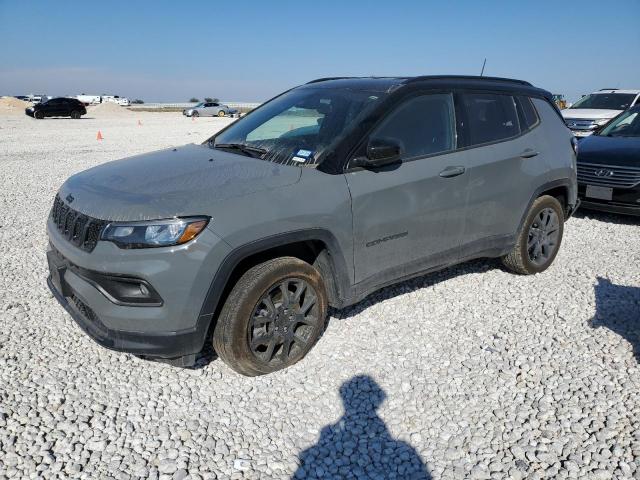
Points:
(359, 445)
(618, 309)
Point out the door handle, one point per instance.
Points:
(452, 172)
(528, 153)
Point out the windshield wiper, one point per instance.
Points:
(255, 152)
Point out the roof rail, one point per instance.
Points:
(467, 77)
(326, 79)
(603, 89)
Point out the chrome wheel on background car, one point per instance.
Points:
(543, 236)
(221, 113)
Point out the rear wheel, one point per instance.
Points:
(75, 114)
(539, 241)
(221, 113)
(272, 317)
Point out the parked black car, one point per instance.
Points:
(609, 166)
(57, 107)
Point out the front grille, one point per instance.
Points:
(608, 175)
(580, 123)
(91, 322)
(84, 309)
(79, 229)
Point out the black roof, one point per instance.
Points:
(448, 81)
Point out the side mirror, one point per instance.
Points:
(380, 152)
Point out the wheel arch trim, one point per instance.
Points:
(563, 182)
(340, 280)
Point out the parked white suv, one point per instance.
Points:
(596, 109)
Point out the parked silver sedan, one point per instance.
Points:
(209, 109)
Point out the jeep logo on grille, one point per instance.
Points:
(69, 198)
(603, 173)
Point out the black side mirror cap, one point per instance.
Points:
(380, 152)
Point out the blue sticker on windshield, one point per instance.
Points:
(304, 153)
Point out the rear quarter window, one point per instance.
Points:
(526, 113)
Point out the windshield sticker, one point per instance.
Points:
(299, 159)
(304, 153)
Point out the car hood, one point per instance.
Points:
(623, 151)
(589, 113)
(181, 181)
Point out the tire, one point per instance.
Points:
(195, 114)
(38, 115)
(221, 113)
(539, 240)
(252, 336)
(75, 115)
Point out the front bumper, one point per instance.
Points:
(173, 329)
(179, 348)
(625, 201)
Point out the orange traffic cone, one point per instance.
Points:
(99, 136)
(139, 123)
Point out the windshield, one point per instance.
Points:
(198, 105)
(626, 125)
(298, 127)
(606, 101)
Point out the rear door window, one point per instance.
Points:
(490, 117)
(423, 125)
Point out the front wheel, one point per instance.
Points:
(539, 240)
(273, 316)
(195, 114)
(38, 115)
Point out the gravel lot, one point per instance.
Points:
(468, 373)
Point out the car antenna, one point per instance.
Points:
(483, 64)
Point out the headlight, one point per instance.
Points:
(601, 121)
(154, 233)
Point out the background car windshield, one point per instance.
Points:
(627, 125)
(606, 101)
(298, 127)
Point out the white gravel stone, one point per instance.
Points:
(484, 374)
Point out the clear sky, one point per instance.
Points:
(251, 50)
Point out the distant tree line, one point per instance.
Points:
(206, 99)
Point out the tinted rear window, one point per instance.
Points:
(490, 117)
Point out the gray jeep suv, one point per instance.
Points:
(319, 197)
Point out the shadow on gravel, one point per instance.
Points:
(618, 309)
(359, 444)
(607, 217)
(473, 266)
